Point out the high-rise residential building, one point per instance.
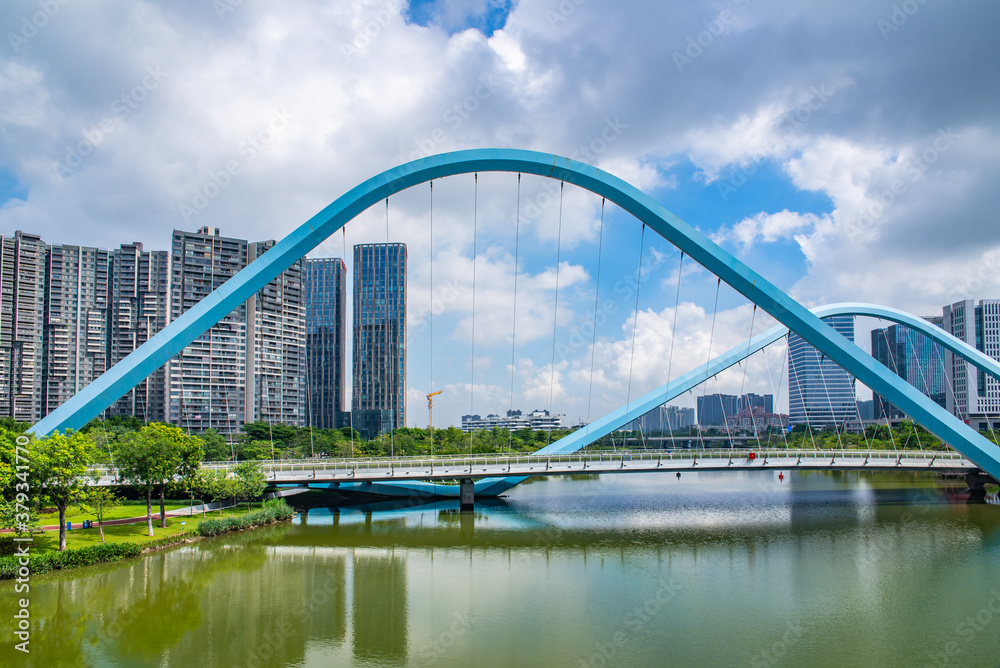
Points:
(207, 380)
(326, 340)
(764, 402)
(379, 350)
(975, 396)
(913, 357)
(22, 317)
(276, 346)
(663, 419)
(76, 332)
(820, 393)
(140, 307)
(714, 409)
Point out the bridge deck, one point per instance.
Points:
(496, 466)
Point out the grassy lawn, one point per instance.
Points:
(129, 533)
(75, 515)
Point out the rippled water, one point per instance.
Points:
(718, 569)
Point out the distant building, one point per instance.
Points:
(714, 409)
(140, 307)
(663, 419)
(22, 317)
(76, 329)
(976, 396)
(765, 402)
(276, 345)
(379, 374)
(820, 393)
(755, 419)
(913, 357)
(326, 341)
(866, 410)
(514, 420)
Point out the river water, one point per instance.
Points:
(714, 569)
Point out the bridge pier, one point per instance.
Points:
(467, 493)
(977, 486)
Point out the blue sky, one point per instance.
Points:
(842, 159)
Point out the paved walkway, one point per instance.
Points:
(190, 510)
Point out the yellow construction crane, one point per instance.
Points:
(430, 410)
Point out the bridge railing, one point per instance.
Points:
(464, 465)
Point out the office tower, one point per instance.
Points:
(140, 307)
(714, 409)
(22, 314)
(276, 347)
(820, 393)
(207, 380)
(76, 331)
(763, 402)
(379, 374)
(326, 345)
(976, 395)
(913, 357)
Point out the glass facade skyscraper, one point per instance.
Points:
(379, 364)
(820, 393)
(326, 340)
(913, 357)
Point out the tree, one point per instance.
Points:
(59, 463)
(154, 456)
(99, 501)
(250, 481)
(215, 447)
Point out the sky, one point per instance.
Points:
(847, 151)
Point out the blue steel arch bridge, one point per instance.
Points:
(975, 454)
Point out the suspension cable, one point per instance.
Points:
(711, 336)
(430, 424)
(673, 338)
(555, 315)
(597, 301)
(385, 348)
(513, 319)
(829, 400)
(798, 385)
(472, 363)
(776, 393)
(635, 322)
(350, 413)
(746, 365)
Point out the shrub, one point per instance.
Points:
(84, 556)
(275, 510)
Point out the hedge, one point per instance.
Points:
(275, 510)
(84, 556)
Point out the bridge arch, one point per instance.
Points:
(100, 394)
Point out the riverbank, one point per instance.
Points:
(130, 540)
